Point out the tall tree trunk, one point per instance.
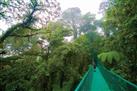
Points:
(75, 32)
(62, 79)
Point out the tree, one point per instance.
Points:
(29, 14)
(121, 17)
(88, 23)
(39, 55)
(72, 16)
(38, 70)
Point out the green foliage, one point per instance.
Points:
(72, 18)
(120, 30)
(55, 33)
(110, 56)
(56, 67)
(88, 23)
(60, 64)
(69, 61)
(17, 74)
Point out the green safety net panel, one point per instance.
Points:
(115, 82)
(85, 83)
(104, 80)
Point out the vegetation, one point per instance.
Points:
(41, 59)
(44, 62)
(119, 25)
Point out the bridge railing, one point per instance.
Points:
(85, 83)
(115, 82)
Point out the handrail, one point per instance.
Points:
(85, 78)
(122, 84)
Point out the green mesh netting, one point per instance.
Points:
(115, 82)
(85, 83)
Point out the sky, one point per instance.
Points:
(85, 5)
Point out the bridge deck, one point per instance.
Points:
(99, 83)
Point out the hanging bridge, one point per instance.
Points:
(104, 80)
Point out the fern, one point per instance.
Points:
(110, 56)
(103, 57)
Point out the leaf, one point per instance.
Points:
(110, 56)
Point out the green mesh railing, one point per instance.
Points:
(115, 82)
(85, 83)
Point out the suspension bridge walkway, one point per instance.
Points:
(104, 80)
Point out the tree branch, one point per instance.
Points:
(27, 35)
(25, 23)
